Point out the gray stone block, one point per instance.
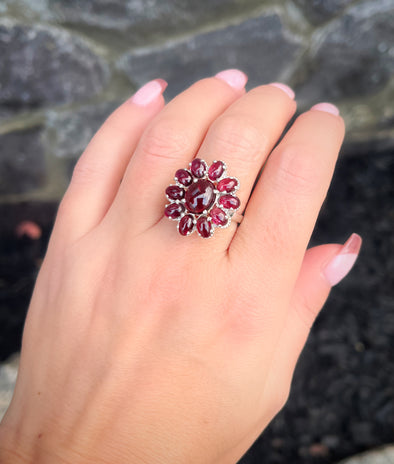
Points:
(355, 55)
(142, 20)
(320, 11)
(42, 64)
(22, 161)
(248, 46)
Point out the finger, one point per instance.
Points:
(284, 206)
(170, 142)
(322, 267)
(99, 170)
(245, 134)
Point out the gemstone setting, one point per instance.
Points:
(203, 198)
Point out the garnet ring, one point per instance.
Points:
(203, 198)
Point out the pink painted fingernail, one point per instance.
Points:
(149, 92)
(327, 107)
(285, 88)
(341, 264)
(233, 77)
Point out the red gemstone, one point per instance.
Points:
(186, 225)
(174, 192)
(227, 185)
(216, 170)
(218, 217)
(229, 202)
(174, 210)
(198, 168)
(184, 177)
(200, 196)
(204, 227)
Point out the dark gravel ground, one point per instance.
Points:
(342, 400)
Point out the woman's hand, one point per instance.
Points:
(142, 346)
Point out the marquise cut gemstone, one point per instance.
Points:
(184, 177)
(227, 185)
(204, 227)
(216, 170)
(229, 202)
(186, 224)
(218, 217)
(174, 192)
(198, 168)
(174, 210)
(200, 196)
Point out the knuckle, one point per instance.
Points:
(165, 139)
(297, 171)
(85, 171)
(239, 138)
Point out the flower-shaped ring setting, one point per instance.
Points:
(203, 198)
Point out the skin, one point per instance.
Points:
(143, 346)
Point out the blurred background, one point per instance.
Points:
(66, 64)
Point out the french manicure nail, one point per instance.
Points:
(233, 77)
(149, 92)
(326, 107)
(285, 88)
(341, 264)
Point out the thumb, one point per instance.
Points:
(323, 267)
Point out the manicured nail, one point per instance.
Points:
(327, 107)
(342, 262)
(233, 77)
(149, 92)
(285, 88)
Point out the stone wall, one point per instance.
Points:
(65, 64)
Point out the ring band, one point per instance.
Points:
(203, 198)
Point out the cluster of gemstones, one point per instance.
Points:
(203, 198)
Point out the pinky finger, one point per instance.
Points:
(323, 267)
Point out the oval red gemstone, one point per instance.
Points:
(227, 185)
(218, 217)
(174, 210)
(200, 196)
(198, 168)
(204, 227)
(229, 202)
(174, 192)
(216, 170)
(186, 225)
(184, 177)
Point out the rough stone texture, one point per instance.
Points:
(356, 55)
(41, 66)
(247, 45)
(320, 11)
(22, 161)
(142, 20)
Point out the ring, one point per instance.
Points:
(203, 198)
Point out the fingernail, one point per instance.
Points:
(342, 262)
(327, 107)
(149, 92)
(285, 88)
(233, 77)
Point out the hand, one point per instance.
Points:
(142, 346)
